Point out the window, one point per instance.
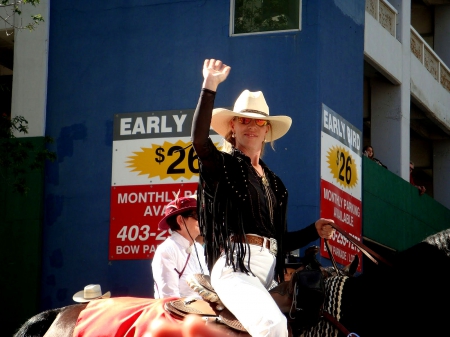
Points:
(256, 16)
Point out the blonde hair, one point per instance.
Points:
(230, 142)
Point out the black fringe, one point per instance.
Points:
(220, 215)
(214, 215)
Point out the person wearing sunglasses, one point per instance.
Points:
(242, 204)
(180, 255)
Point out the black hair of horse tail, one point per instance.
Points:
(38, 324)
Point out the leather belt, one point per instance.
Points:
(261, 241)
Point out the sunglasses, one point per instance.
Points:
(192, 215)
(246, 120)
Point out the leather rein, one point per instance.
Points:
(366, 251)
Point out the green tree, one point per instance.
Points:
(12, 7)
(18, 156)
(259, 16)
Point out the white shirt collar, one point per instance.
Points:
(181, 240)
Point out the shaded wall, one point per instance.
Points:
(20, 247)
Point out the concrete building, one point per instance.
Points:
(407, 89)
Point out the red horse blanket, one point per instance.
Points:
(121, 316)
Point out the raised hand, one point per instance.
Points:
(214, 73)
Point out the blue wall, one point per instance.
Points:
(129, 56)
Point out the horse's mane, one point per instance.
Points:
(441, 241)
(433, 254)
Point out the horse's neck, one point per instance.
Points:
(366, 305)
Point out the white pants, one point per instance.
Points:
(246, 296)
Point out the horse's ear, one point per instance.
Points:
(312, 251)
(353, 266)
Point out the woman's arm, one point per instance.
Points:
(201, 124)
(298, 239)
(214, 72)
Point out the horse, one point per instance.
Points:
(61, 321)
(409, 298)
(58, 322)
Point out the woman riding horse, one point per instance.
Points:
(242, 204)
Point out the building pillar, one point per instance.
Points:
(441, 149)
(29, 91)
(390, 105)
(441, 171)
(442, 32)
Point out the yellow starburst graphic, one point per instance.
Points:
(342, 166)
(177, 160)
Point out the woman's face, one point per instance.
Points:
(369, 151)
(249, 133)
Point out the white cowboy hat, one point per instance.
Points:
(90, 292)
(252, 105)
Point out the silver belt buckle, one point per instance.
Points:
(273, 246)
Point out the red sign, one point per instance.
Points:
(135, 214)
(345, 210)
(340, 172)
(152, 162)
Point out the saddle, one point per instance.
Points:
(300, 299)
(211, 309)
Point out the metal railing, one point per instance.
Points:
(426, 55)
(384, 13)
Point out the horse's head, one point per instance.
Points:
(348, 270)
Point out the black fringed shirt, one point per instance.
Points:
(232, 200)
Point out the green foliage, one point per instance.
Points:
(18, 156)
(259, 16)
(36, 19)
(15, 8)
